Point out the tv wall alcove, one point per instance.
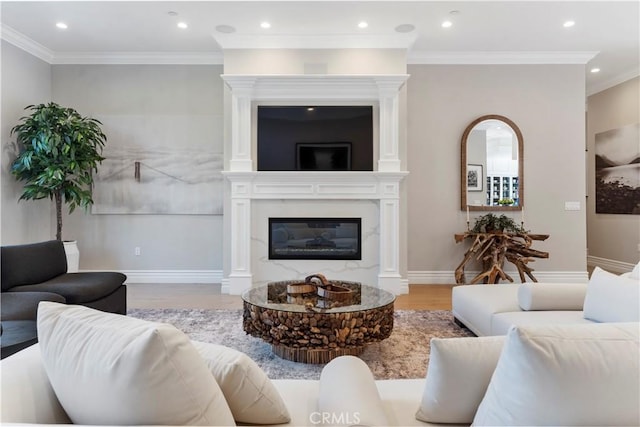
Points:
(323, 137)
(372, 193)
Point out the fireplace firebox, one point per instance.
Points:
(315, 238)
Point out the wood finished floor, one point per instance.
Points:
(164, 295)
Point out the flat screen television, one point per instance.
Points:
(308, 138)
(323, 157)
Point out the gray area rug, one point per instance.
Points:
(403, 355)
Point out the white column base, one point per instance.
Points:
(394, 284)
(236, 284)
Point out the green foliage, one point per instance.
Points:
(490, 222)
(506, 201)
(59, 150)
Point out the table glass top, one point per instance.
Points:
(274, 296)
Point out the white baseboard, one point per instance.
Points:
(414, 277)
(448, 277)
(173, 276)
(611, 265)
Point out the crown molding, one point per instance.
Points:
(115, 58)
(490, 57)
(613, 81)
(336, 41)
(25, 43)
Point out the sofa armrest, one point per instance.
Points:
(551, 296)
(32, 263)
(348, 395)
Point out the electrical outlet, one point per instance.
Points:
(571, 206)
(638, 247)
(137, 251)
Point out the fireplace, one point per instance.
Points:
(315, 238)
(256, 193)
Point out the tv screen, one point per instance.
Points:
(325, 137)
(323, 157)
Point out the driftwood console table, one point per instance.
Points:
(493, 249)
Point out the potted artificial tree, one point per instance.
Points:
(59, 150)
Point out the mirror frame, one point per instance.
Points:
(463, 166)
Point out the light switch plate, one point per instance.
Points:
(571, 206)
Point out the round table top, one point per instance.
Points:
(274, 296)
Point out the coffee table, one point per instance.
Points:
(309, 329)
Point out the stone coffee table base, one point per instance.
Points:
(317, 337)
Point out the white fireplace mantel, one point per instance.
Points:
(381, 185)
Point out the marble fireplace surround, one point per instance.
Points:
(247, 186)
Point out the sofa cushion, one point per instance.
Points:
(248, 391)
(611, 298)
(24, 305)
(551, 296)
(457, 377)
(473, 305)
(79, 288)
(355, 401)
(111, 369)
(27, 396)
(31, 263)
(565, 375)
(502, 322)
(301, 397)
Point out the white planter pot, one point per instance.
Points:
(73, 256)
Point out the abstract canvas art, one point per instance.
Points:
(617, 173)
(159, 167)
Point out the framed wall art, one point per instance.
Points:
(475, 177)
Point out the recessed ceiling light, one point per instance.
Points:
(454, 12)
(447, 24)
(405, 28)
(227, 29)
(182, 25)
(568, 24)
(363, 24)
(595, 70)
(172, 13)
(61, 25)
(265, 24)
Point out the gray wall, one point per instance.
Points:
(611, 237)
(26, 80)
(124, 92)
(547, 104)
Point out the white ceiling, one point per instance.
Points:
(606, 33)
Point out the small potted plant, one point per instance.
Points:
(59, 150)
(491, 223)
(507, 201)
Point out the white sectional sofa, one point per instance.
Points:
(492, 309)
(96, 368)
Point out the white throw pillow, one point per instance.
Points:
(116, 370)
(457, 378)
(551, 296)
(565, 375)
(251, 396)
(348, 395)
(612, 298)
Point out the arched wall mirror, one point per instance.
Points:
(492, 165)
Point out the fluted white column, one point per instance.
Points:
(240, 277)
(389, 277)
(389, 160)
